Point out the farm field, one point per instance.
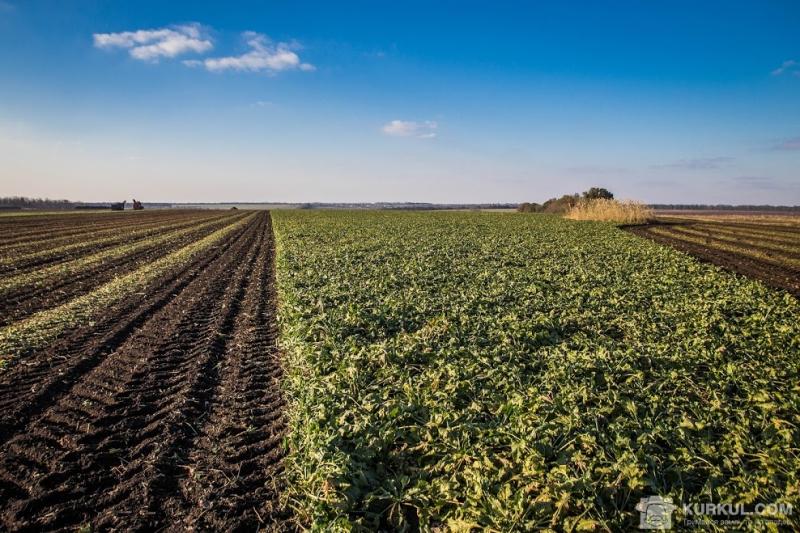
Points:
(224, 370)
(484, 371)
(759, 245)
(140, 382)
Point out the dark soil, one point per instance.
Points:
(27, 300)
(779, 276)
(763, 247)
(30, 229)
(164, 415)
(120, 236)
(788, 232)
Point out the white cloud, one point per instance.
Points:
(263, 56)
(408, 128)
(788, 65)
(150, 45)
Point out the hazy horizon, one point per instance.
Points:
(457, 102)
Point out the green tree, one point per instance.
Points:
(598, 193)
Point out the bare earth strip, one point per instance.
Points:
(15, 239)
(766, 236)
(44, 276)
(175, 423)
(41, 328)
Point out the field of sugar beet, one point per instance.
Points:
(382, 370)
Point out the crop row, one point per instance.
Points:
(739, 239)
(64, 233)
(46, 275)
(16, 231)
(41, 328)
(73, 248)
(507, 372)
(764, 236)
(759, 253)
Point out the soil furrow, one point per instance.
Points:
(790, 230)
(166, 414)
(735, 231)
(233, 472)
(36, 382)
(183, 393)
(82, 455)
(25, 260)
(65, 226)
(737, 241)
(780, 277)
(750, 252)
(21, 244)
(29, 300)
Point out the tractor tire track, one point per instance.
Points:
(112, 451)
(233, 471)
(33, 384)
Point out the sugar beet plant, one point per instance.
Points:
(509, 372)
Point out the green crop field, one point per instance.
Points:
(501, 372)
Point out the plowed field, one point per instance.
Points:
(155, 403)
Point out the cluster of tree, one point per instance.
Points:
(563, 204)
(21, 202)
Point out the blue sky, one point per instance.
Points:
(686, 102)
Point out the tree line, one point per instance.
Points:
(22, 202)
(563, 204)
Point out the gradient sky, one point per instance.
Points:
(663, 101)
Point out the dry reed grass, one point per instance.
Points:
(624, 212)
